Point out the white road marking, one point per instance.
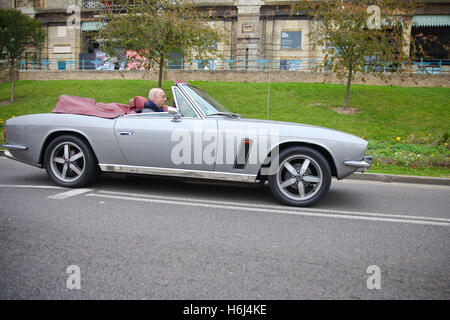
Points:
(284, 208)
(371, 216)
(68, 194)
(306, 212)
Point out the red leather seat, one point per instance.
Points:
(138, 102)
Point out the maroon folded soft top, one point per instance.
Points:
(90, 107)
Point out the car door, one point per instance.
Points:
(155, 140)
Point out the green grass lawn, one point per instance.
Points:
(407, 128)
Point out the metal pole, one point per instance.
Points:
(268, 97)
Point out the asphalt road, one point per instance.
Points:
(149, 238)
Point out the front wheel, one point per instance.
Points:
(70, 162)
(302, 178)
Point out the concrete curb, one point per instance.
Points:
(383, 177)
(399, 178)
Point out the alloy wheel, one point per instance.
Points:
(299, 177)
(67, 162)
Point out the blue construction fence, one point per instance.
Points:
(430, 66)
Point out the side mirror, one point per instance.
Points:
(175, 113)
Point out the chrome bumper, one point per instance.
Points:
(361, 165)
(13, 147)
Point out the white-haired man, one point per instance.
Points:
(156, 100)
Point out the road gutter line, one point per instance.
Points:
(393, 184)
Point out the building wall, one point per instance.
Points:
(418, 80)
(291, 25)
(61, 4)
(5, 75)
(63, 43)
(6, 4)
(24, 3)
(255, 28)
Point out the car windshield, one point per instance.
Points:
(207, 103)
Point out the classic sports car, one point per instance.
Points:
(196, 138)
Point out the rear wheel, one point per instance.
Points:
(70, 162)
(303, 177)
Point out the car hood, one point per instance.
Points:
(299, 130)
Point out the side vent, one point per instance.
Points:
(242, 156)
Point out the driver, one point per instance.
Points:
(156, 100)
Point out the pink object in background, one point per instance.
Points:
(136, 62)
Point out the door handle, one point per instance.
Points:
(126, 133)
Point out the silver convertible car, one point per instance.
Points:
(196, 138)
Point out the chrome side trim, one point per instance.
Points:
(148, 114)
(178, 173)
(14, 147)
(10, 156)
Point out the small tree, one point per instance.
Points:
(18, 32)
(155, 29)
(363, 37)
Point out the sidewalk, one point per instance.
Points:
(385, 177)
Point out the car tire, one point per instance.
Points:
(302, 177)
(70, 162)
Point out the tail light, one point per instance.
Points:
(4, 133)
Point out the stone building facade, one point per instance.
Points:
(262, 32)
